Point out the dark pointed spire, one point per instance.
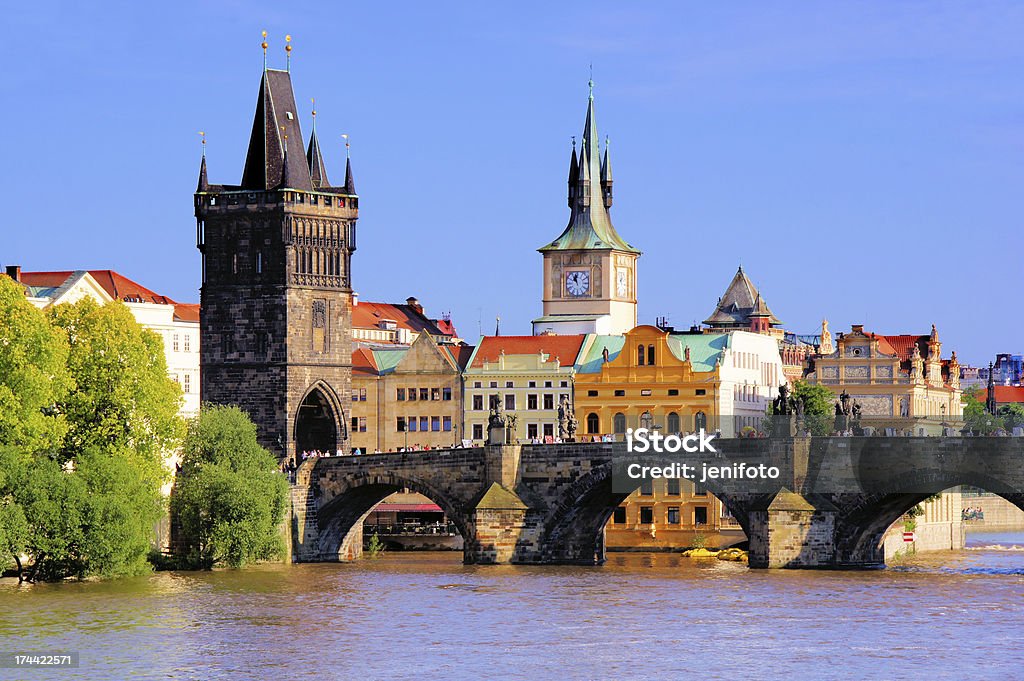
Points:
(606, 175)
(276, 116)
(497, 326)
(350, 181)
(287, 182)
(204, 183)
(574, 171)
(315, 160)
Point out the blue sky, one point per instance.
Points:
(863, 161)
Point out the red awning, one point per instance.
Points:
(407, 508)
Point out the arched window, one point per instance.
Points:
(619, 423)
(700, 420)
(673, 422)
(593, 424)
(650, 355)
(646, 420)
(639, 355)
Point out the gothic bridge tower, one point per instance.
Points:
(276, 291)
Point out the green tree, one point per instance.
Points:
(1012, 415)
(123, 398)
(33, 374)
(976, 417)
(230, 495)
(819, 408)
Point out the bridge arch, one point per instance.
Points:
(574, 530)
(345, 504)
(864, 519)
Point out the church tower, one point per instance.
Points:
(275, 310)
(589, 270)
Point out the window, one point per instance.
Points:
(509, 384)
(672, 487)
(620, 393)
(619, 515)
(478, 431)
(563, 384)
(591, 393)
(478, 402)
(423, 423)
(412, 394)
(174, 343)
(446, 424)
(531, 384)
(593, 423)
(646, 487)
(647, 515)
(355, 395)
(701, 391)
(510, 402)
(424, 394)
(549, 401)
(401, 394)
(645, 392)
(477, 384)
(698, 490)
(619, 423)
(446, 394)
(359, 424)
(435, 424)
(493, 401)
(494, 384)
(700, 515)
(188, 342)
(259, 262)
(401, 424)
(549, 430)
(639, 355)
(531, 430)
(672, 392)
(435, 394)
(650, 355)
(362, 394)
(547, 384)
(187, 380)
(355, 423)
(672, 516)
(531, 401)
(412, 424)
(673, 422)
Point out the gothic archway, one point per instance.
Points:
(318, 422)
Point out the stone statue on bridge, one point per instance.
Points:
(496, 423)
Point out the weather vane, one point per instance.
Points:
(203, 136)
(288, 53)
(348, 147)
(264, 46)
(313, 101)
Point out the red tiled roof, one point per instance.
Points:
(118, 286)
(564, 348)
(1006, 394)
(186, 312)
(903, 345)
(460, 354)
(368, 315)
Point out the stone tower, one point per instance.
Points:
(589, 270)
(275, 305)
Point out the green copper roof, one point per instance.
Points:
(590, 225)
(388, 359)
(705, 348)
(594, 358)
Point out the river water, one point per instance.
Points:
(426, 616)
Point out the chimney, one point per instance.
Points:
(355, 299)
(414, 304)
(14, 272)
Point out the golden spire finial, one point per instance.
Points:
(203, 135)
(348, 147)
(264, 46)
(288, 53)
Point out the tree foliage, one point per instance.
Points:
(230, 496)
(88, 413)
(976, 417)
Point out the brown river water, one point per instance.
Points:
(427, 616)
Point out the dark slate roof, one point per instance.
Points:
(204, 183)
(740, 302)
(590, 225)
(315, 161)
(264, 162)
(350, 180)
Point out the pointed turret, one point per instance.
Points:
(315, 161)
(204, 183)
(574, 171)
(350, 180)
(606, 175)
(287, 181)
(741, 304)
(276, 118)
(590, 226)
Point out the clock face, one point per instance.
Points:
(577, 283)
(621, 281)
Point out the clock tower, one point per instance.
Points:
(589, 270)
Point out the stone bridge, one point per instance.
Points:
(548, 504)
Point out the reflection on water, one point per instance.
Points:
(408, 615)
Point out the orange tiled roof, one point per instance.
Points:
(1006, 394)
(564, 348)
(186, 312)
(363, 362)
(903, 345)
(367, 315)
(461, 354)
(118, 286)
